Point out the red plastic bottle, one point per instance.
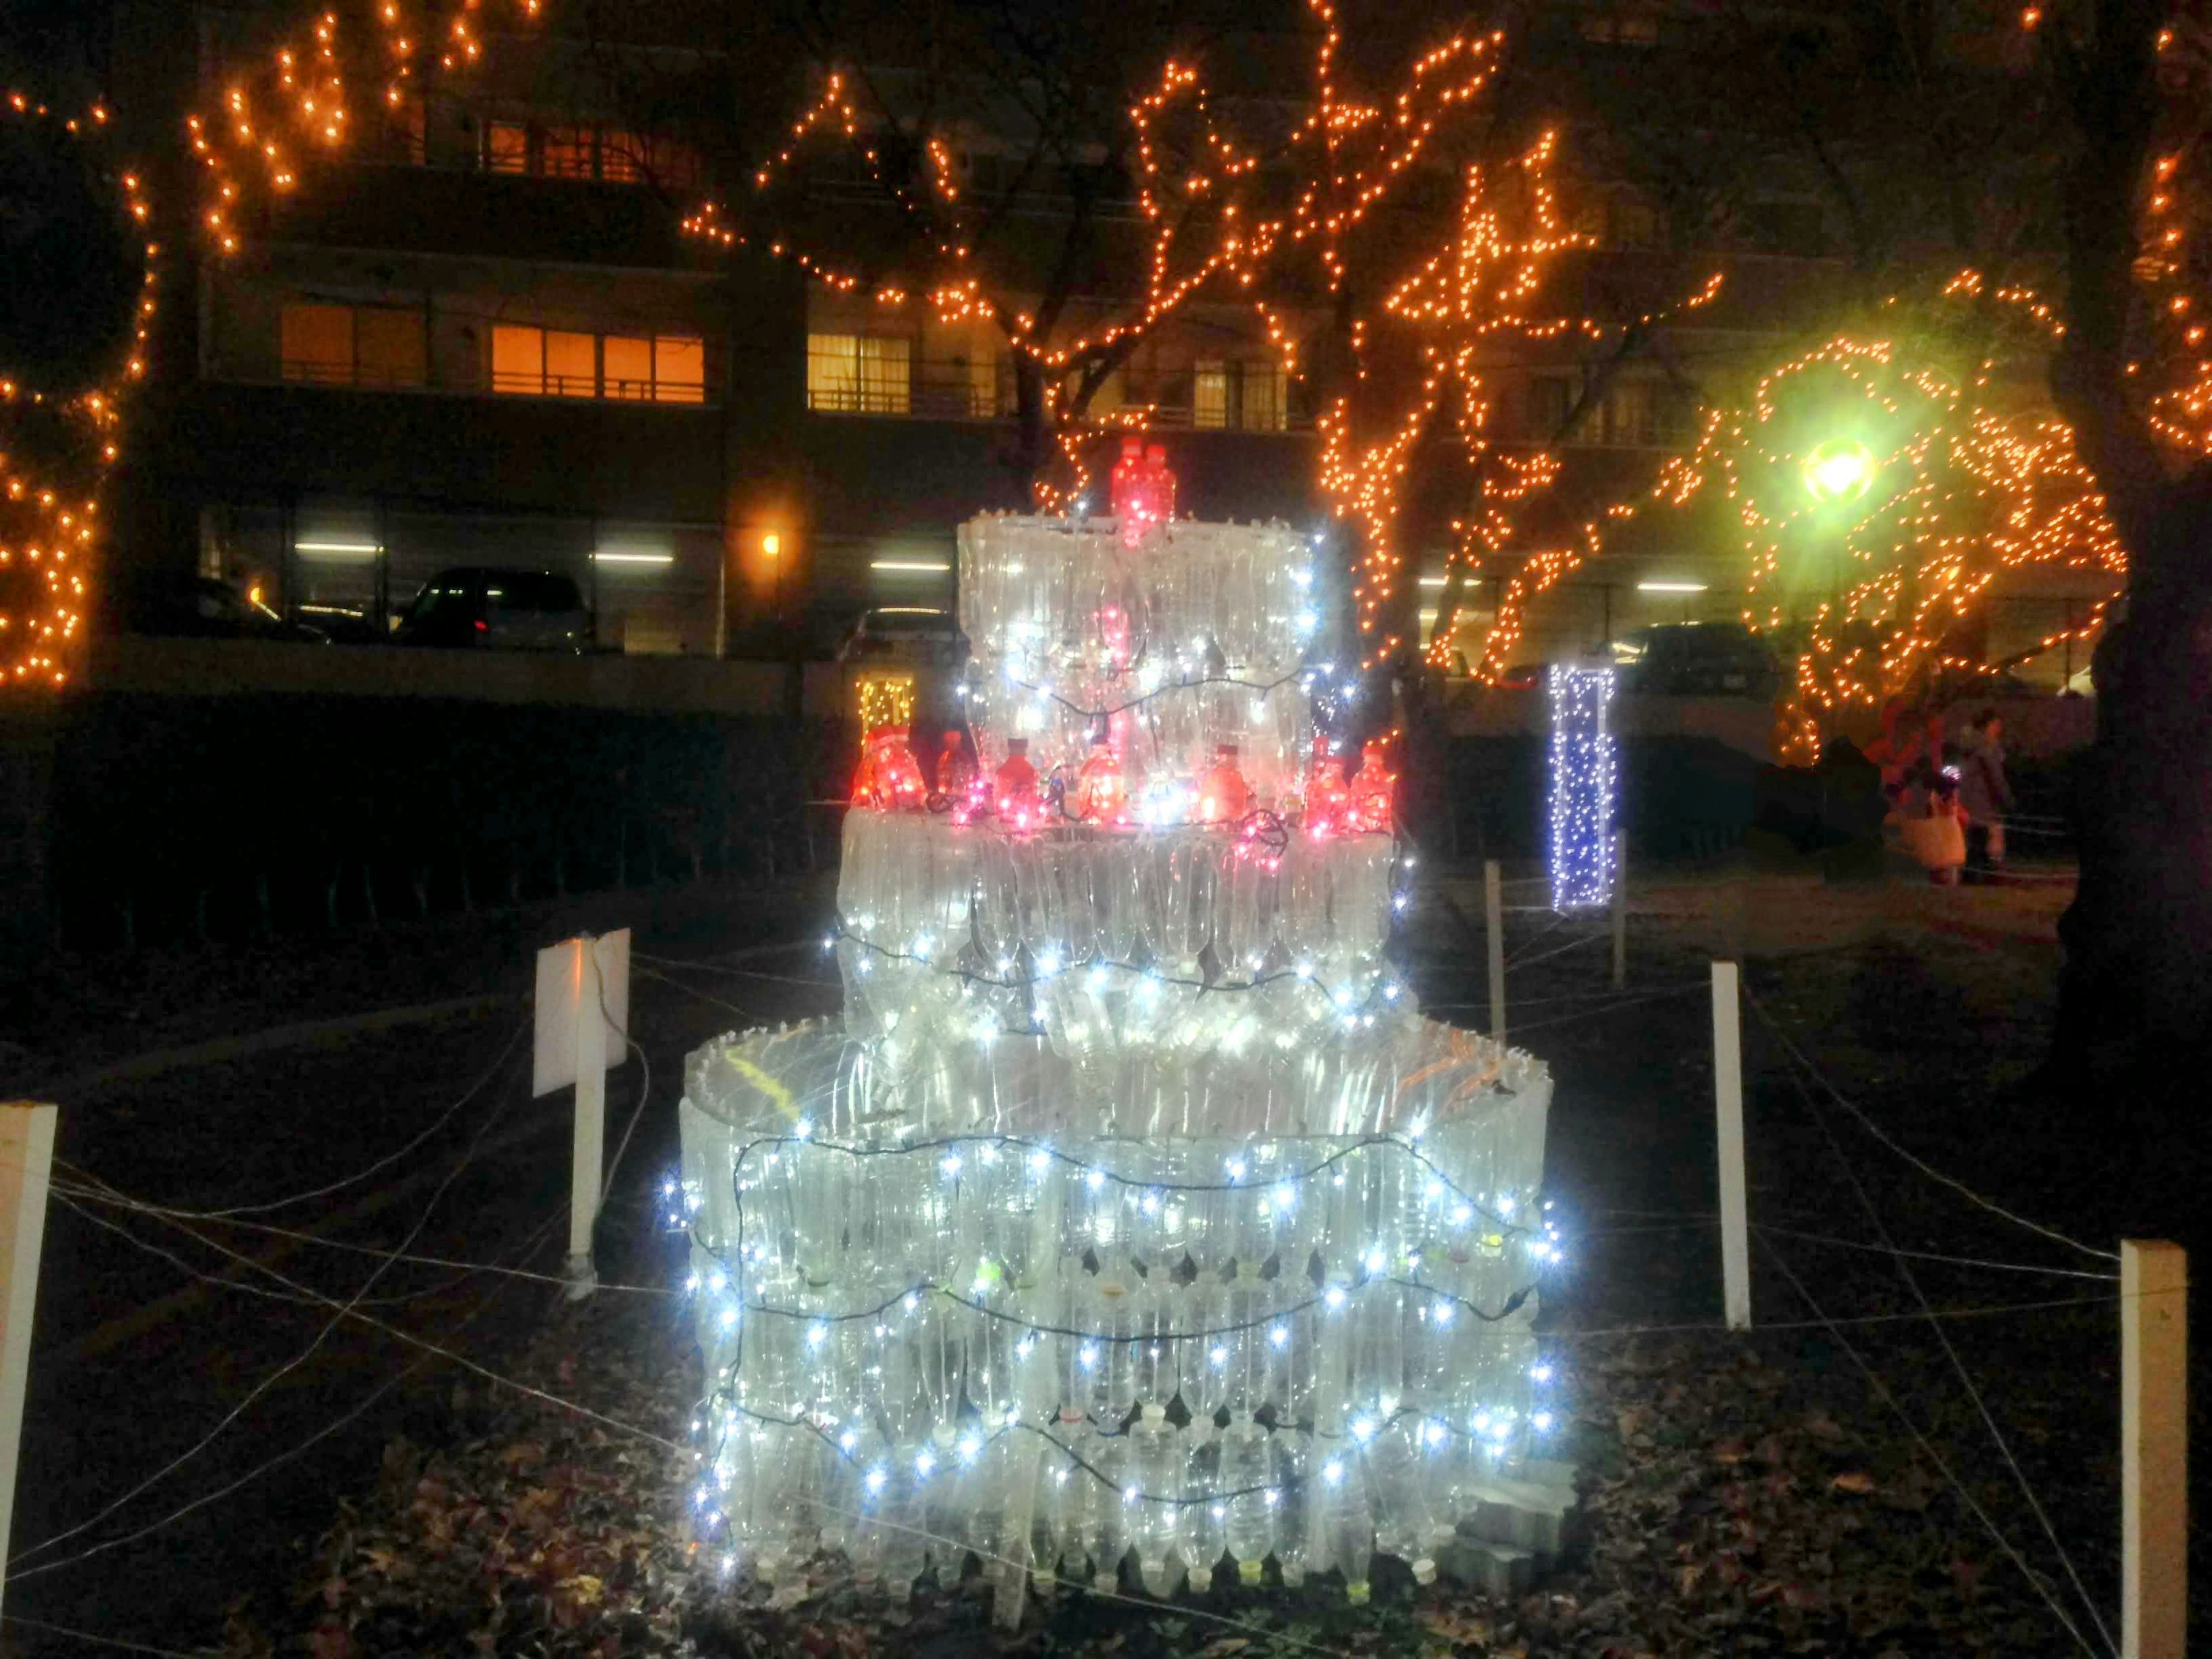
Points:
(1328, 801)
(1372, 791)
(1015, 794)
(1223, 797)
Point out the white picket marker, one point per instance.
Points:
(2154, 1449)
(1493, 927)
(582, 1026)
(26, 1161)
(1728, 1105)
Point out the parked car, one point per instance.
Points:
(913, 636)
(499, 611)
(207, 607)
(1697, 659)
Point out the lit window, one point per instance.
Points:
(628, 367)
(1551, 400)
(1629, 412)
(389, 347)
(317, 344)
(622, 156)
(548, 362)
(859, 375)
(518, 361)
(1209, 401)
(1264, 405)
(572, 364)
(507, 147)
(568, 152)
(679, 369)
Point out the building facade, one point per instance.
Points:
(482, 338)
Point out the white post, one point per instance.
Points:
(1619, 910)
(2154, 1449)
(1728, 1103)
(1493, 927)
(27, 1160)
(589, 1147)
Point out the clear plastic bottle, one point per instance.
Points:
(1396, 1488)
(1112, 1509)
(1346, 1526)
(1248, 1476)
(1156, 1456)
(1292, 1452)
(1203, 1524)
(1072, 1495)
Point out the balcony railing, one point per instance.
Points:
(955, 389)
(383, 377)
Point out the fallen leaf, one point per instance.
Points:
(1856, 1481)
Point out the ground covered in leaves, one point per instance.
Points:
(1827, 1485)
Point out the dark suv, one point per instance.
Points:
(1697, 659)
(500, 610)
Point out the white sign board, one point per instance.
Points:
(589, 976)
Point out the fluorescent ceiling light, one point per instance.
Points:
(1434, 581)
(635, 558)
(1670, 588)
(338, 549)
(931, 566)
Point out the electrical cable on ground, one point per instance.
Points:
(529, 1248)
(269, 1380)
(389, 1158)
(98, 1640)
(1883, 1392)
(467, 1269)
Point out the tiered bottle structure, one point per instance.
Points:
(1132, 1225)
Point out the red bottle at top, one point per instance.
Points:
(1162, 482)
(1223, 797)
(1136, 487)
(888, 777)
(956, 773)
(1371, 792)
(1015, 793)
(1327, 802)
(1102, 794)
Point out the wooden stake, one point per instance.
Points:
(1728, 1103)
(2154, 1449)
(1494, 925)
(589, 1148)
(27, 1161)
(1619, 910)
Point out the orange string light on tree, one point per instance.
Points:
(59, 446)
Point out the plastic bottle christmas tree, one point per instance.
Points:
(1127, 1129)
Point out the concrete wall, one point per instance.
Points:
(130, 663)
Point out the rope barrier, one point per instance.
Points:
(1919, 1163)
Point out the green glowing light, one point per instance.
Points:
(1840, 470)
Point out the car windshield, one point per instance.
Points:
(532, 590)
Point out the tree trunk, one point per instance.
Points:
(2135, 1028)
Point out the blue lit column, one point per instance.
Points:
(1580, 783)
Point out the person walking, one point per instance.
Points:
(1985, 795)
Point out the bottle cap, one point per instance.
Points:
(1156, 1414)
(1132, 448)
(1017, 746)
(1250, 1572)
(1156, 452)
